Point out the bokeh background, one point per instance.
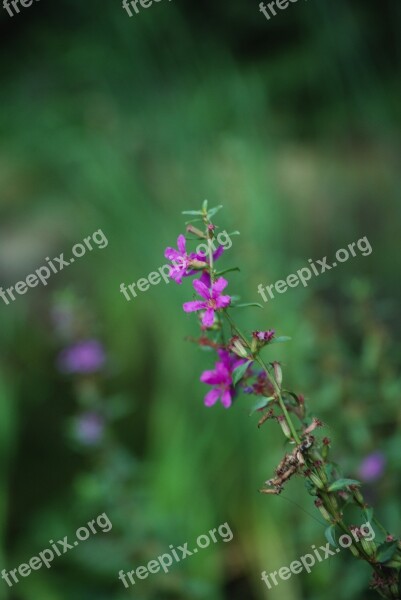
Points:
(121, 123)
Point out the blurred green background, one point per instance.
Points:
(117, 123)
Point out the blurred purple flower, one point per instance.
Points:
(372, 467)
(87, 356)
(89, 428)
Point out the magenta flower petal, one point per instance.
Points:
(176, 275)
(223, 301)
(181, 243)
(205, 279)
(195, 305)
(219, 286)
(238, 363)
(211, 377)
(218, 253)
(171, 254)
(224, 358)
(226, 399)
(208, 318)
(211, 397)
(181, 262)
(201, 289)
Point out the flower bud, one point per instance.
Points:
(278, 373)
(238, 348)
(357, 495)
(325, 448)
(254, 345)
(196, 231)
(316, 480)
(368, 546)
(354, 550)
(322, 474)
(196, 264)
(284, 427)
(394, 563)
(322, 509)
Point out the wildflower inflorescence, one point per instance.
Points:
(240, 367)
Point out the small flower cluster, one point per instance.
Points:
(210, 287)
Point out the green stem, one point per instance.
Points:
(270, 378)
(280, 400)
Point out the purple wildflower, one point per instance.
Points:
(182, 261)
(213, 300)
(179, 258)
(264, 336)
(87, 356)
(89, 428)
(372, 466)
(221, 379)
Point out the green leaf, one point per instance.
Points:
(192, 212)
(280, 339)
(239, 372)
(292, 394)
(213, 211)
(341, 484)
(262, 403)
(329, 534)
(247, 304)
(332, 470)
(368, 512)
(310, 487)
(204, 206)
(227, 271)
(192, 221)
(234, 233)
(386, 551)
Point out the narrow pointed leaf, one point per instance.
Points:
(246, 304)
(386, 551)
(262, 403)
(341, 484)
(227, 271)
(213, 211)
(239, 372)
(368, 513)
(280, 339)
(192, 221)
(330, 535)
